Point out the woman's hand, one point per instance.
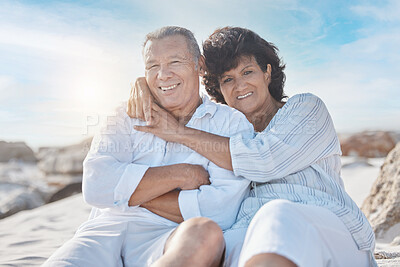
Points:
(163, 125)
(140, 101)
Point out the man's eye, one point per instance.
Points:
(227, 80)
(152, 67)
(175, 62)
(247, 72)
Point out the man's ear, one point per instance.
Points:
(202, 66)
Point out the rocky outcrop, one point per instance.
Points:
(16, 197)
(382, 206)
(17, 151)
(26, 185)
(65, 160)
(67, 191)
(368, 144)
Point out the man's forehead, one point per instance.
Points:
(168, 47)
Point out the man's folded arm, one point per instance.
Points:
(219, 201)
(160, 180)
(166, 206)
(109, 175)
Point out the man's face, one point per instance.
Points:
(171, 73)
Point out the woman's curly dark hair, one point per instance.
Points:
(223, 49)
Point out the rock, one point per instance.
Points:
(368, 144)
(16, 150)
(65, 160)
(26, 185)
(386, 255)
(67, 191)
(382, 205)
(396, 241)
(16, 197)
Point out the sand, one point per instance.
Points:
(29, 237)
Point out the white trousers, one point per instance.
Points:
(113, 242)
(307, 235)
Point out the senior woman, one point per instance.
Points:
(298, 212)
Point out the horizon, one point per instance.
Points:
(66, 65)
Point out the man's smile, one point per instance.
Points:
(166, 88)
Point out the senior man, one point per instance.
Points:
(142, 187)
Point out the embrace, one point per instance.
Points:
(243, 177)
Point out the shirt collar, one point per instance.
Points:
(207, 107)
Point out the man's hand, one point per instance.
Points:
(140, 101)
(194, 176)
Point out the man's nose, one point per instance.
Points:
(164, 73)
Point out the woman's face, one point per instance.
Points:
(246, 87)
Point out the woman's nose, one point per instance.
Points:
(241, 84)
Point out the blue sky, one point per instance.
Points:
(64, 65)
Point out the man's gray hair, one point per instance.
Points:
(175, 30)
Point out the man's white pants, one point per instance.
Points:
(109, 241)
(307, 235)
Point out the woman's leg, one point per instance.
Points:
(195, 242)
(304, 235)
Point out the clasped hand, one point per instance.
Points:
(159, 122)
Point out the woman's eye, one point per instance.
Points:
(247, 72)
(227, 80)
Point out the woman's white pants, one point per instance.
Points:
(307, 235)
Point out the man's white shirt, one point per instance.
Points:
(120, 156)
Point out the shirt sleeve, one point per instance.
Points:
(109, 176)
(300, 134)
(219, 201)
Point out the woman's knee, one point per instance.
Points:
(276, 207)
(278, 204)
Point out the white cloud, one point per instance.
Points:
(63, 62)
(359, 83)
(381, 11)
(64, 45)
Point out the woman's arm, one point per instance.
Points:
(213, 147)
(299, 137)
(141, 105)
